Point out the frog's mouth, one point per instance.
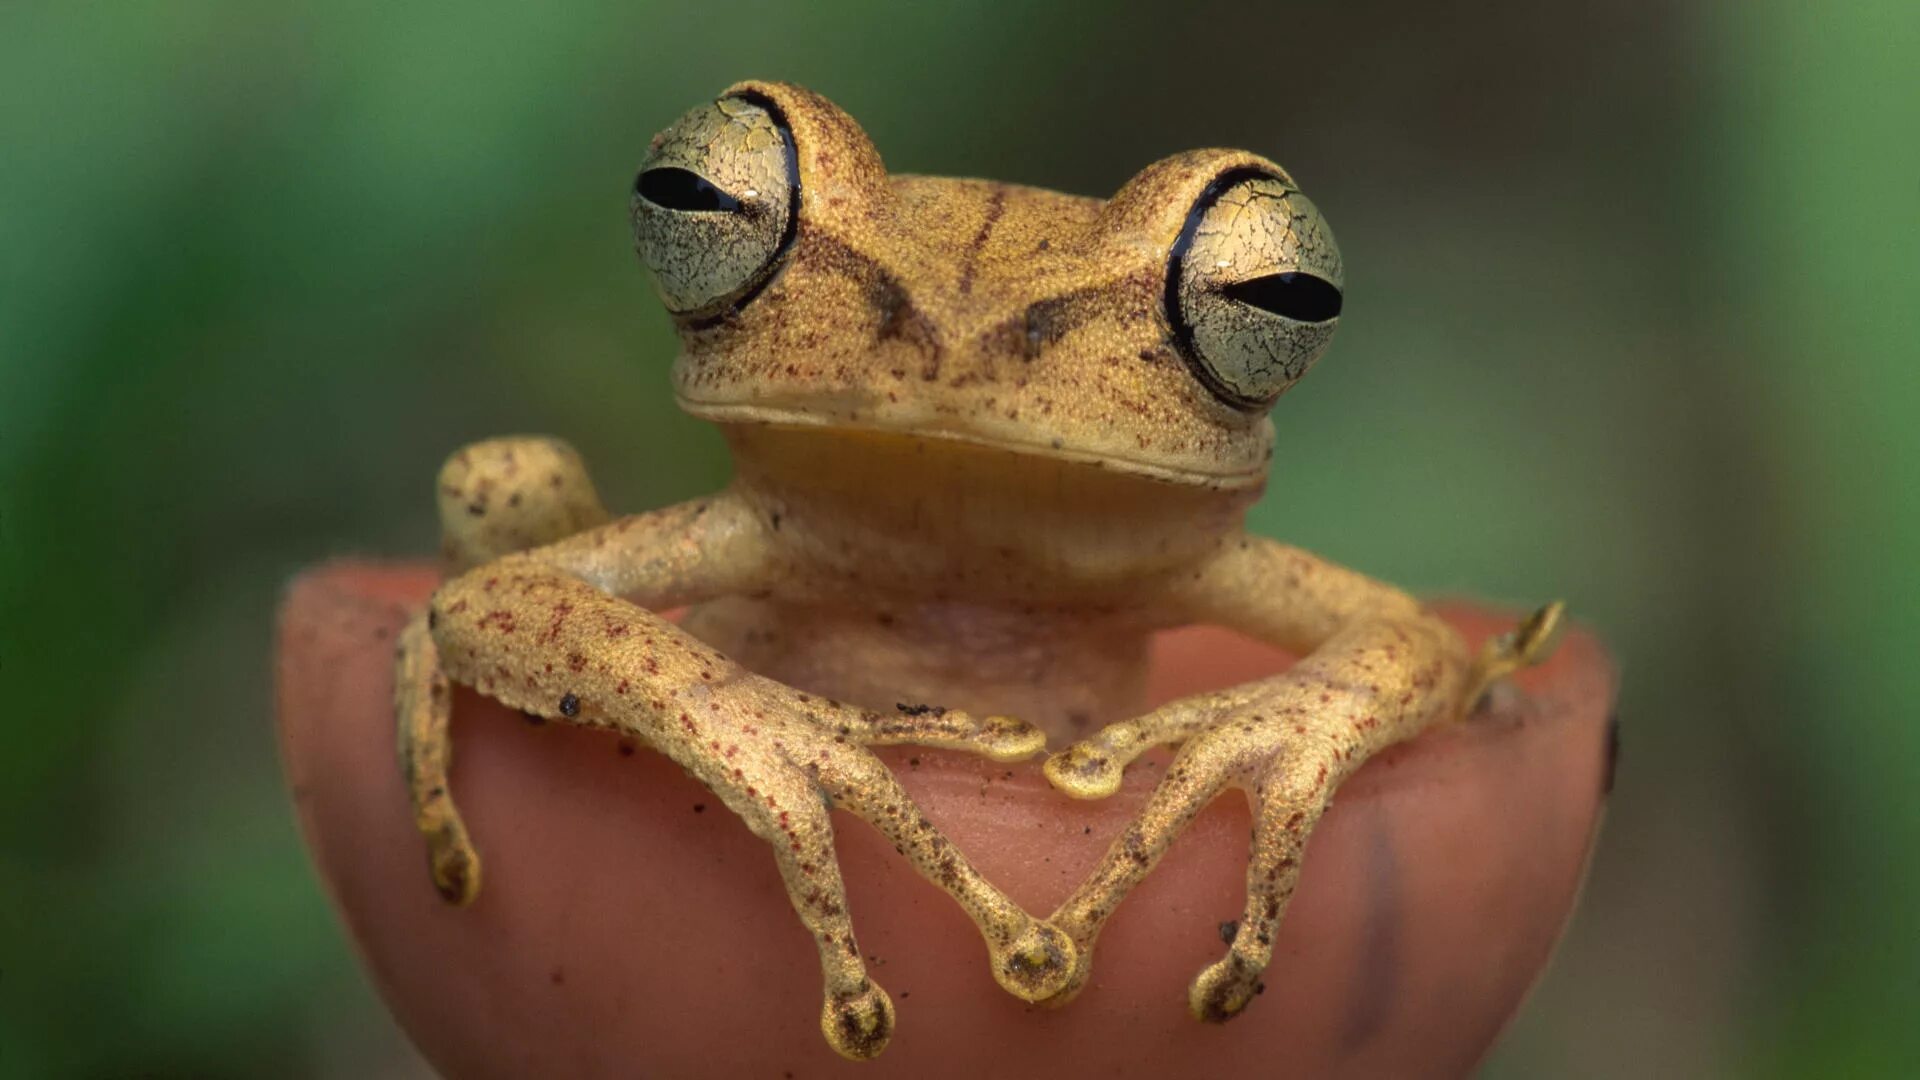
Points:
(1003, 437)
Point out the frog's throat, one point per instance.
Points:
(720, 413)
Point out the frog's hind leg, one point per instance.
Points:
(423, 701)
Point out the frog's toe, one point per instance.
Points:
(1224, 988)
(858, 1024)
(1064, 989)
(1084, 772)
(1002, 738)
(1039, 964)
(455, 866)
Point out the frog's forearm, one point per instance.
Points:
(667, 558)
(1283, 595)
(532, 494)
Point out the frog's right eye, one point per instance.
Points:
(716, 206)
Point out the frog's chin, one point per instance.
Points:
(1055, 450)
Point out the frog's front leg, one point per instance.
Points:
(548, 632)
(495, 497)
(531, 635)
(1377, 669)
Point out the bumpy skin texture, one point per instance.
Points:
(982, 456)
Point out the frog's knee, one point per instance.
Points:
(506, 495)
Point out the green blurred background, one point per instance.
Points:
(1631, 300)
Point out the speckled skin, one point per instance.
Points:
(983, 451)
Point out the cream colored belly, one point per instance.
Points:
(1062, 672)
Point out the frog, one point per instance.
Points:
(988, 440)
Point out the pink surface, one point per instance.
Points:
(629, 925)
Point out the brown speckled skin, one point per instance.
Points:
(972, 309)
(975, 472)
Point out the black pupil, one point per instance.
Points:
(678, 189)
(1300, 297)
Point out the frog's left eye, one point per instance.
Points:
(1253, 287)
(716, 205)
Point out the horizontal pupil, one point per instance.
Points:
(678, 189)
(1300, 297)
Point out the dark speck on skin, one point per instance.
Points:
(699, 808)
(1229, 930)
(569, 705)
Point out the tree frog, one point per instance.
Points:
(987, 440)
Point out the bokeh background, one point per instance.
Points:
(1632, 320)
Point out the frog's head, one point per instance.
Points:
(1148, 334)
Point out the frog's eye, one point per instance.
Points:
(1253, 287)
(716, 205)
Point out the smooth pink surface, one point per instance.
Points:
(628, 925)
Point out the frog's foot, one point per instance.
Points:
(1030, 959)
(423, 702)
(1289, 740)
(1297, 770)
(1525, 645)
(1204, 766)
(1287, 802)
(856, 1015)
(511, 494)
(780, 796)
